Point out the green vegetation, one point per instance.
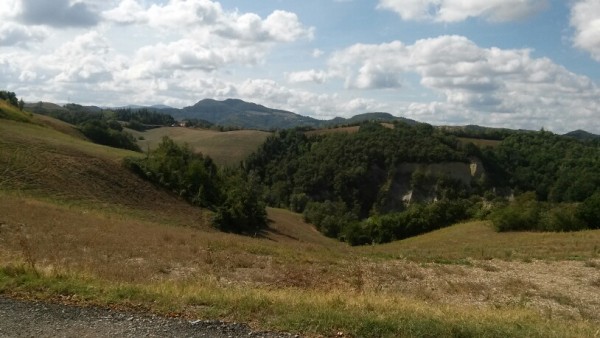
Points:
(11, 98)
(525, 213)
(10, 112)
(196, 178)
(143, 119)
(339, 179)
(557, 168)
(98, 126)
(108, 133)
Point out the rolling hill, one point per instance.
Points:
(225, 148)
(238, 113)
(78, 228)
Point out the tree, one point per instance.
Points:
(21, 104)
(589, 211)
(243, 211)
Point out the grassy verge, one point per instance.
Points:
(307, 312)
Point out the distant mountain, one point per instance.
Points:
(376, 116)
(238, 113)
(234, 113)
(582, 135)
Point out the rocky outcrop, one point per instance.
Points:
(402, 188)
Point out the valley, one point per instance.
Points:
(78, 228)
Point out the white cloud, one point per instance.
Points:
(307, 76)
(209, 16)
(12, 34)
(460, 10)
(127, 12)
(56, 13)
(490, 85)
(317, 53)
(585, 18)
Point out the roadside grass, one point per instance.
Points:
(225, 148)
(310, 313)
(291, 279)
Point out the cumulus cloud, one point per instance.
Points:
(279, 26)
(585, 18)
(307, 76)
(56, 13)
(484, 83)
(460, 10)
(12, 34)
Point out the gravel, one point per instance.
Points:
(41, 319)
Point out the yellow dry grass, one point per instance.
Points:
(226, 148)
(96, 233)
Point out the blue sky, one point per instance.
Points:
(505, 63)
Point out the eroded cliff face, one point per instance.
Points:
(466, 173)
(419, 182)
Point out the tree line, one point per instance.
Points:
(232, 195)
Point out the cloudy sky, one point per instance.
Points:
(512, 63)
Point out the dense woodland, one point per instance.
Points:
(342, 181)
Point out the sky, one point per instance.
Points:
(527, 64)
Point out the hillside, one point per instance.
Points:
(225, 148)
(238, 113)
(78, 228)
(46, 163)
(582, 135)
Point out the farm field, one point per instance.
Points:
(76, 227)
(226, 148)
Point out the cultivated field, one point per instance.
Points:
(76, 227)
(226, 148)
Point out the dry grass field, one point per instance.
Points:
(226, 148)
(76, 227)
(480, 142)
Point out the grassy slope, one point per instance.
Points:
(95, 233)
(478, 240)
(226, 148)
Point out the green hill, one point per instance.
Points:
(78, 228)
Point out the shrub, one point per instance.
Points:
(589, 211)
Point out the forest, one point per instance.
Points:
(344, 182)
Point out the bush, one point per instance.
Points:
(242, 210)
(99, 131)
(527, 214)
(561, 218)
(520, 215)
(589, 211)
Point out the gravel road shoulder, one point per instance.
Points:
(20, 318)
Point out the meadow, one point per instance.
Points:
(76, 227)
(226, 148)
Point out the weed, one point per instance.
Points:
(592, 264)
(26, 249)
